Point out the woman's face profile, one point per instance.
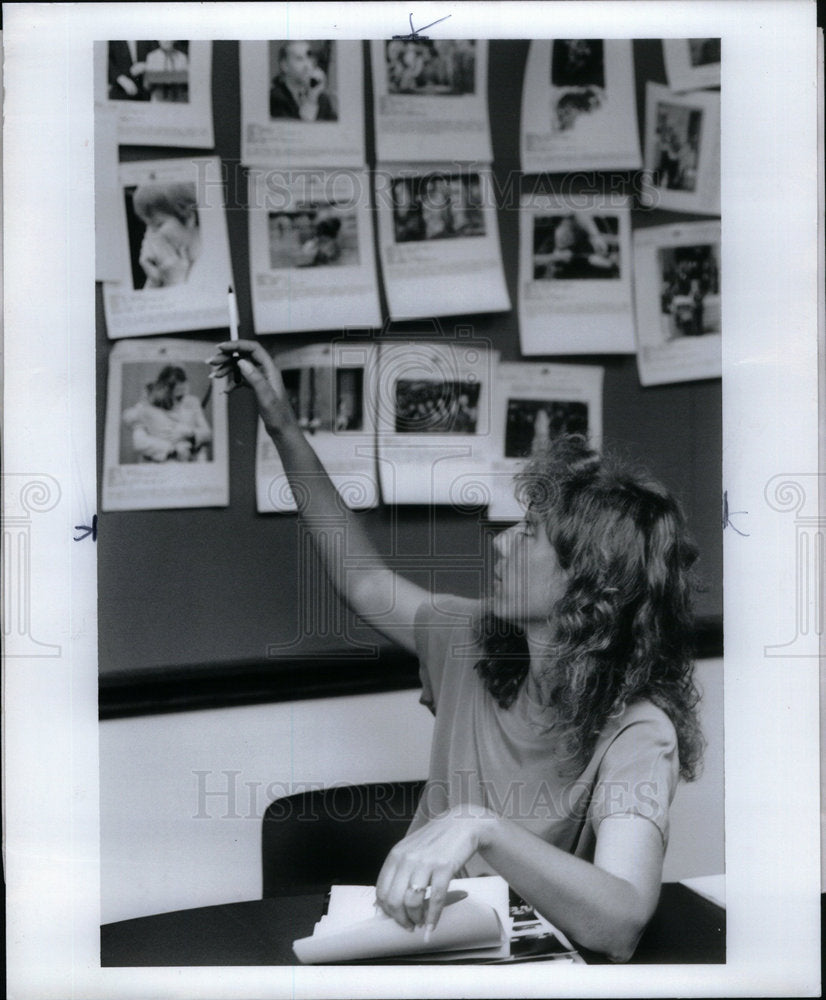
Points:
(527, 577)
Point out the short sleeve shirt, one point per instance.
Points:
(509, 759)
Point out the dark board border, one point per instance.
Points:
(156, 690)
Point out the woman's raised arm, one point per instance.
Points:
(384, 599)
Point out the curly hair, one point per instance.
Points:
(622, 630)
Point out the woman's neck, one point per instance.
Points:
(542, 664)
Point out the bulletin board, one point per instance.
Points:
(214, 606)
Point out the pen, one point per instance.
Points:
(233, 315)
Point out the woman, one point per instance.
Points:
(565, 706)
(169, 423)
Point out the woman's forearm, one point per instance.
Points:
(337, 531)
(598, 910)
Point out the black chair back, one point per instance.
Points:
(340, 834)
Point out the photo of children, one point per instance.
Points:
(326, 399)
(531, 424)
(677, 152)
(429, 67)
(302, 75)
(165, 416)
(424, 406)
(164, 233)
(575, 245)
(690, 291)
(578, 79)
(437, 206)
(313, 236)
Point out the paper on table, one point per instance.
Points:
(476, 919)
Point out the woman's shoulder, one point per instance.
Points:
(642, 720)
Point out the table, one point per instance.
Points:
(685, 929)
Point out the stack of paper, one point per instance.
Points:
(473, 924)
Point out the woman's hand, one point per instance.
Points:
(430, 858)
(260, 372)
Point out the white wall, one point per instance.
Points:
(165, 845)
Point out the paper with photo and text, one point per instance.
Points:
(575, 275)
(165, 441)
(439, 241)
(111, 260)
(332, 390)
(172, 224)
(677, 291)
(431, 100)
(682, 150)
(312, 264)
(302, 103)
(692, 63)
(433, 421)
(578, 106)
(532, 404)
(162, 91)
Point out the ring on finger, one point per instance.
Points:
(417, 888)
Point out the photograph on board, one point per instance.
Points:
(533, 423)
(172, 225)
(160, 90)
(437, 206)
(682, 150)
(165, 437)
(425, 406)
(678, 301)
(312, 264)
(302, 103)
(431, 66)
(578, 106)
(303, 81)
(325, 399)
(331, 391)
(313, 236)
(169, 420)
(578, 245)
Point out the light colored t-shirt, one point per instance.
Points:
(508, 759)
